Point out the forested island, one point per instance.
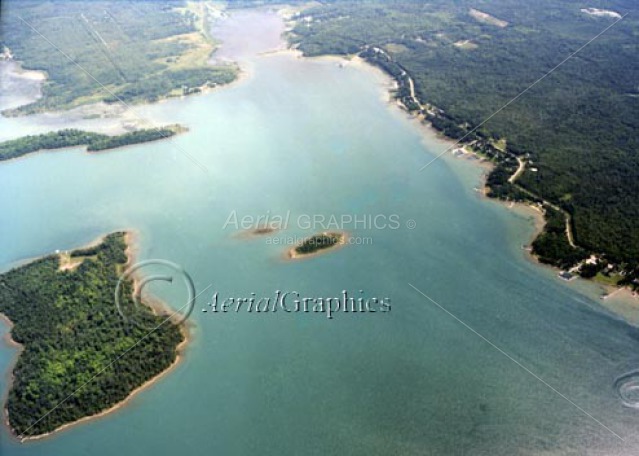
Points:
(574, 134)
(70, 331)
(318, 243)
(111, 53)
(93, 141)
(264, 230)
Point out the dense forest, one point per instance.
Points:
(93, 141)
(111, 51)
(319, 242)
(577, 128)
(553, 247)
(71, 331)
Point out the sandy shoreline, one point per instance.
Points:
(122, 117)
(11, 73)
(387, 87)
(132, 240)
(292, 255)
(118, 118)
(122, 403)
(14, 69)
(256, 233)
(621, 299)
(9, 375)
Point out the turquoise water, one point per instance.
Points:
(312, 137)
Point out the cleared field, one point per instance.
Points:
(487, 18)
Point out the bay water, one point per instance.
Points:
(498, 357)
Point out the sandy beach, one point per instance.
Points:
(622, 301)
(13, 344)
(387, 88)
(179, 356)
(132, 249)
(255, 233)
(292, 255)
(29, 75)
(20, 86)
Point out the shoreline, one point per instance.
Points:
(124, 402)
(11, 343)
(41, 76)
(256, 233)
(15, 69)
(123, 112)
(620, 298)
(85, 149)
(131, 238)
(292, 255)
(428, 131)
(12, 69)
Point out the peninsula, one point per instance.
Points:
(93, 141)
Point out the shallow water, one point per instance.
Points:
(17, 87)
(513, 365)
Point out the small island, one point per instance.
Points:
(318, 243)
(260, 231)
(78, 357)
(94, 142)
(263, 231)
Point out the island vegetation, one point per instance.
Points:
(263, 231)
(574, 133)
(95, 51)
(318, 243)
(260, 231)
(93, 141)
(79, 357)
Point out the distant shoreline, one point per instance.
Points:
(178, 129)
(621, 293)
(13, 70)
(16, 70)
